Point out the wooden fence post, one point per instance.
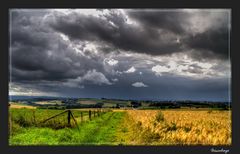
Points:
(89, 114)
(9, 122)
(94, 113)
(69, 118)
(75, 121)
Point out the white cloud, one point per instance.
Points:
(74, 83)
(64, 37)
(93, 12)
(205, 65)
(139, 84)
(118, 72)
(96, 77)
(15, 89)
(91, 47)
(115, 80)
(158, 69)
(131, 70)
(111, 62)
(172, 65)
(186, 66)
(92, 76)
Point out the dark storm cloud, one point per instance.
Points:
(42, 60)
(83, 27)
(156, 34)
(29, 38)
(173, 21)
(214, 40)
(38, 53)
(120, 35)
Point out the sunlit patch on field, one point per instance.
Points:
(178, 127)
(22, 106)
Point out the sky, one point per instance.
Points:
(163, 54)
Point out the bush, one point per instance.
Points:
(210, 111)
(159, 117)
(187, 129)
(172, 127)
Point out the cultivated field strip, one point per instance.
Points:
(181, 127)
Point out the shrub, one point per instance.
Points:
(172, 127)
(187, 129)
(159, 117)
(210, 111)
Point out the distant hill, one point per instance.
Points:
(15, 97)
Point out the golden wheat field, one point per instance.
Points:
(176, 127)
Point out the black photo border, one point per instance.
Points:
(4, 78)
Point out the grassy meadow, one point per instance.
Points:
(120, 127)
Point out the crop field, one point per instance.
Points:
(22, 106)
(176, 127)
(120, 127)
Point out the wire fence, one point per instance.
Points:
(66, 118)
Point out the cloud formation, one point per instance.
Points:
(75, 51)
(139, 84)
(130, 70)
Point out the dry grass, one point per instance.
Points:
(168, 127)
(22, 106)
(48, 102)
(43, 103)
(88, 102)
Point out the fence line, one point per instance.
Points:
(69, 112)
(53, 116)
(69, 115)
(95, 113)
(9, 121)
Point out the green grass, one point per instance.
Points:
(35, 117)
(99, 131)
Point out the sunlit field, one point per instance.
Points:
(174, 127)
(121, 127)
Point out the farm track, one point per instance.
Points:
(97, 132)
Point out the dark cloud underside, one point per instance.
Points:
(125, 53)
